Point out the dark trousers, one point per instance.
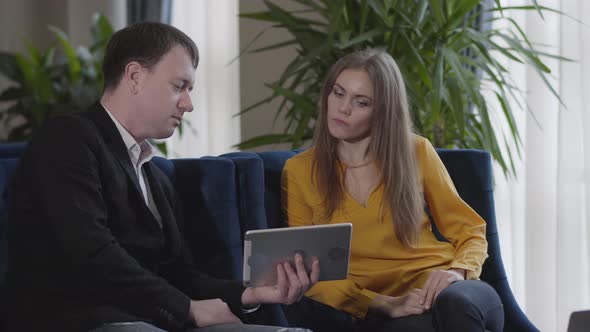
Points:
(145, 327)
(466, 306)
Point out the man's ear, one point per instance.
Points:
(133, 76)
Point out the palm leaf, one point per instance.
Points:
(446, 61)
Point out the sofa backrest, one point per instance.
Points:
(207, 192)
(12, 150)
(274, 161)
(471, 171)
(208, 195)
(250, 183)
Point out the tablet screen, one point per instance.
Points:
(265, 248)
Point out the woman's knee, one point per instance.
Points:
(454, 299)
(467, 294)
(470, 305)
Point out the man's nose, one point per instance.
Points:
(186, 104)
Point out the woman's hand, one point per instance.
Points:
(401, 306)
(291, 284)
(437, 281)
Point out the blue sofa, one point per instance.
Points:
(225, 196)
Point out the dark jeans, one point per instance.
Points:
(466, 306)
(144, 327)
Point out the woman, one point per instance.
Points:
(368, 168)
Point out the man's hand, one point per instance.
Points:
(291, 284)
(437, 281)
(401, 306)
(211, 312)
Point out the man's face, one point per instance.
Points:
(163, 94)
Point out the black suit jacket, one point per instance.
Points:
(84, 248)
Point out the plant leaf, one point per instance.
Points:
(74, 65)
(264, 140)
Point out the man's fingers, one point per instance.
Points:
(315, 271)
(281, 279)
(294, 284)
(301, 272)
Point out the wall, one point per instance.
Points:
(256, 69)
(29, 19)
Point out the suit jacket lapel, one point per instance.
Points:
(113, 138)
(164, 206)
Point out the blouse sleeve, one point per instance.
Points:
(456, 220)
(344, 295)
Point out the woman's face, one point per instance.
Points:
(350, 106)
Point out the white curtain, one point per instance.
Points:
(211, 128)
(543, 213)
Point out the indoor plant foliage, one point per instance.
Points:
(446, 57)
(43, 84)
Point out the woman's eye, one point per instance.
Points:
(338, 93)
(362, 103)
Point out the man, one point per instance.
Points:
(93, 239)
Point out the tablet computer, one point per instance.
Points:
(265, 248)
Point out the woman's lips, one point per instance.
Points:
(341, 123)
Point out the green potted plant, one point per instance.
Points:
(43, 84)
(441, 48)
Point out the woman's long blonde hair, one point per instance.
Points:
(391, 144)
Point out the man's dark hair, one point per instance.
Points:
(146, 43)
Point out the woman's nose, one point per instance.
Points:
(344, 107)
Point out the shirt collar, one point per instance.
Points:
(139, 152)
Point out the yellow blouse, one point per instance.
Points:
(379, 263)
